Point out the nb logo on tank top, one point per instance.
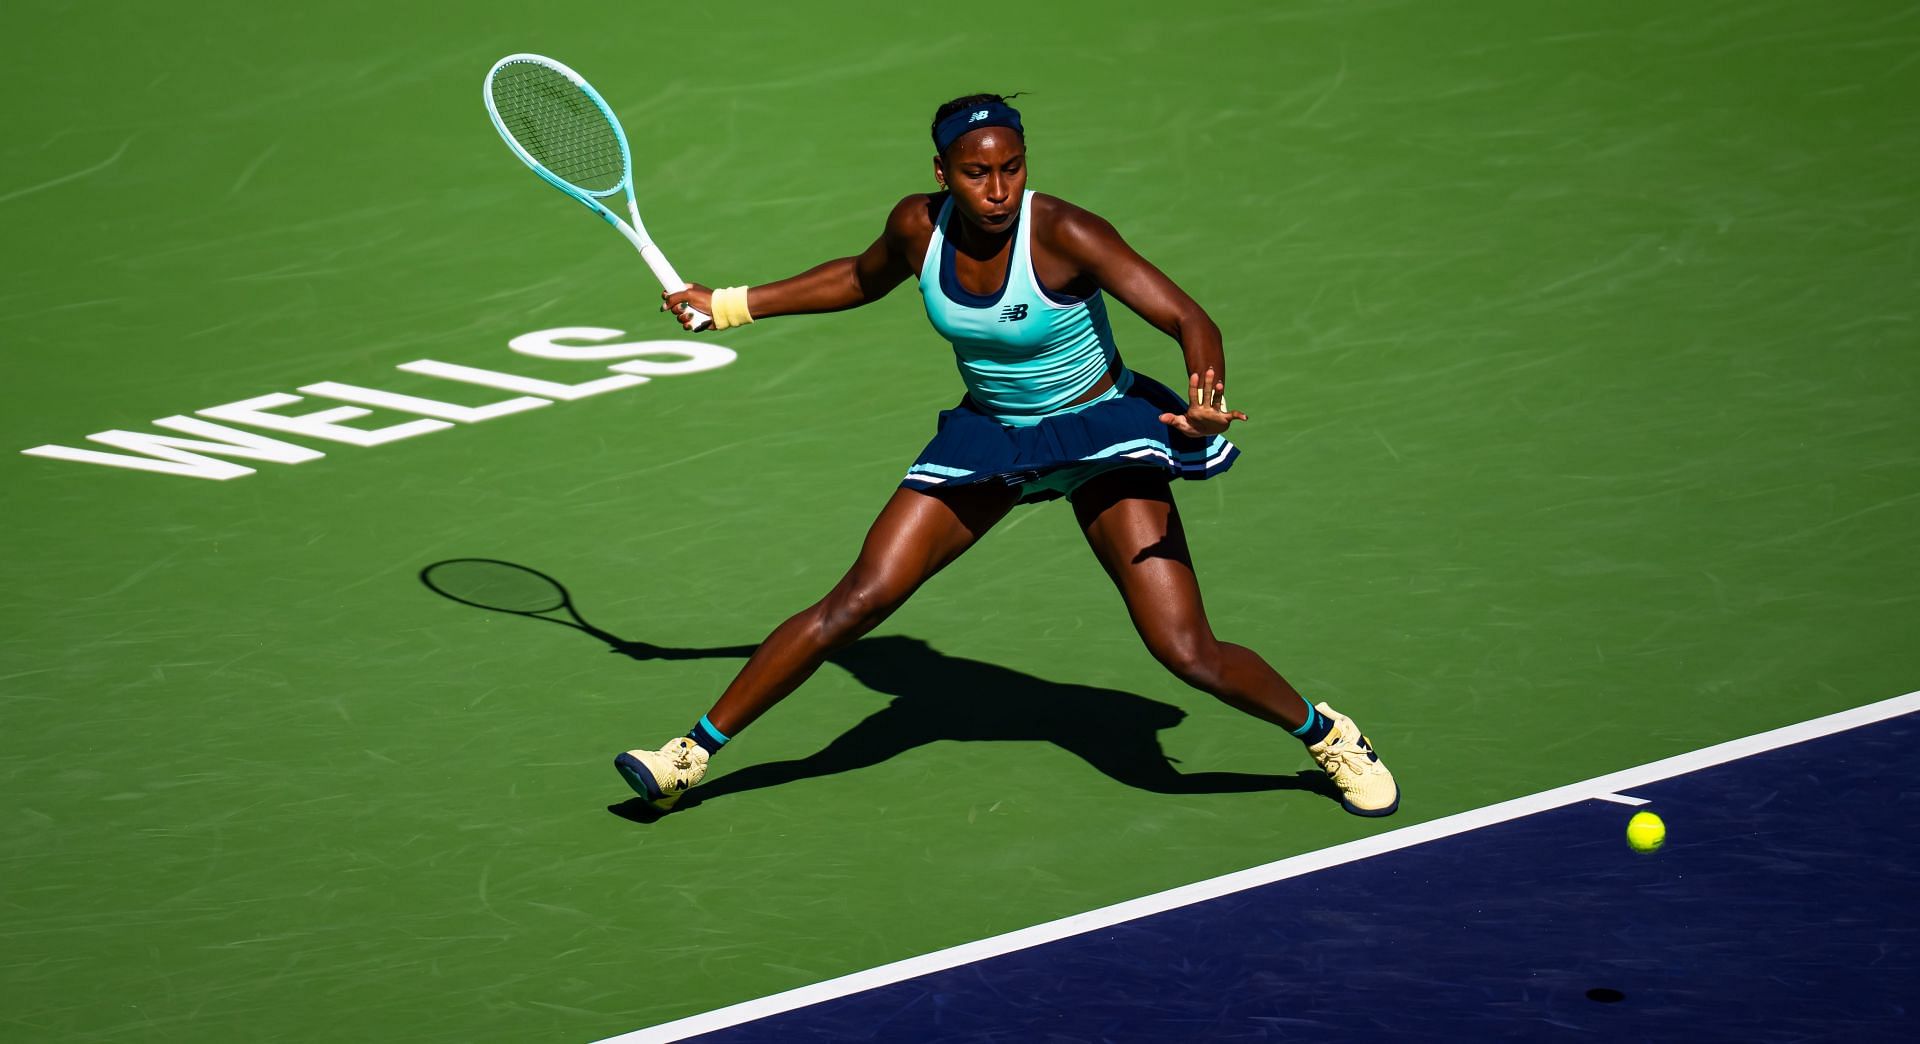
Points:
(1013, 313)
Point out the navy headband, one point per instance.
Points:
(972, 118)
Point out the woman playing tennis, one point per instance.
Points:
(1018, 283)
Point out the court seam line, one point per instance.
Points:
(1596, 788)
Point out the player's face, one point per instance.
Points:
(987, 171)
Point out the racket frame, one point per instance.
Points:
(633, 228)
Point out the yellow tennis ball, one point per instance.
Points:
(1645, 832)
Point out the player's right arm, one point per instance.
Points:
(837, 285)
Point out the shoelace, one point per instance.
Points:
(1352, 757)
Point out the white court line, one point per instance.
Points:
(1623, 799)
(1606, 786)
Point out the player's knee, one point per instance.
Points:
(1193, 659)
(857, 606)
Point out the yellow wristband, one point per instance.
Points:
(730, 308)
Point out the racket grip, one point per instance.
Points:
(671, 282)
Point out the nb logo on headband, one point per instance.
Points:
(978, 116)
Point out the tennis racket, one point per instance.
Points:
(559, 125)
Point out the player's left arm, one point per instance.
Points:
(1095, 247)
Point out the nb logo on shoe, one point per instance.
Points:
(1013, 313)
(978, 116)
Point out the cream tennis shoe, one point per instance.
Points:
(661, 776)
(1366, 787)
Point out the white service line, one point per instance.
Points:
(1600, 787)
(1623, 799)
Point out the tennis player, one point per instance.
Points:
(1018, 282)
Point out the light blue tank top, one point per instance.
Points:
(1023, 352)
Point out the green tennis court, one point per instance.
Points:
(1579, 343)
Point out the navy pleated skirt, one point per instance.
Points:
(1054, 457)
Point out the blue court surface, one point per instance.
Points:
(1785, 906)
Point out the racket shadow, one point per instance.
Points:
(935, 697)
(509, 587)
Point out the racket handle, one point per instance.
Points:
(670, 281)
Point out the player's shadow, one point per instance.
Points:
(941, 697)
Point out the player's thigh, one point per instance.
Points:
(1133, 526)
(918, 534)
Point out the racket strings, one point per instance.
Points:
(559, 126)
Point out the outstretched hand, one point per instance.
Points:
(679, 301)
(1207, 412)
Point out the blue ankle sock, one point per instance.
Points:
(1316, 728)
(709, 738)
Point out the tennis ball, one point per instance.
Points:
(1645, 832)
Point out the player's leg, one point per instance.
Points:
(917, 535)
(1131, 523)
